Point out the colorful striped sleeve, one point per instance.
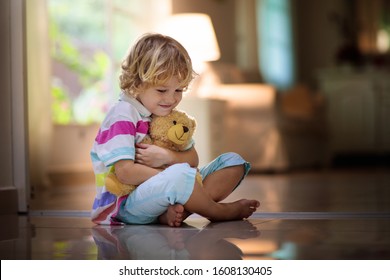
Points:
(116, 143)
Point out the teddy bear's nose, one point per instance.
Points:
(185, 129)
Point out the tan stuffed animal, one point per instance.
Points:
(173, 131)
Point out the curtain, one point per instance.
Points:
(38, 91)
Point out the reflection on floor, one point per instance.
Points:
(342, 214)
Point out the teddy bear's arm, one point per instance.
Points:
(189, 156)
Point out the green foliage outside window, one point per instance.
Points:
(90, 104)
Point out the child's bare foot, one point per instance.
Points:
(248, 207)
(174, 216)
(238, 210)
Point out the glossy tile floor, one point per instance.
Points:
(332, 214)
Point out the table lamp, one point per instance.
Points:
(196, 33)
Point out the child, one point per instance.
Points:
(154, 75)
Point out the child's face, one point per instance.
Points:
(161, 99)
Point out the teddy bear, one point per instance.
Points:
(173, 131)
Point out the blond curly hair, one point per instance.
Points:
(153, 60)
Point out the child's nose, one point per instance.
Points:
(170, 97)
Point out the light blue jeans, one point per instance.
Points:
(172, 186)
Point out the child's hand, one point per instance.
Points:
(151, 155)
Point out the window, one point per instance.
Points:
(276, 58)
(89, 39)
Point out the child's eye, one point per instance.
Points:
(179, 90)
(162, 90)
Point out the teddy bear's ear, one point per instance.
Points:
(193, 121)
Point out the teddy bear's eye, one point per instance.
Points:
(174, 122)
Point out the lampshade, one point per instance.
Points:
(196, 33)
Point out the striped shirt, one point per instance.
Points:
(125, 124)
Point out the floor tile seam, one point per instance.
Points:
(256, 215)
(321, 215)
(59, 213)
